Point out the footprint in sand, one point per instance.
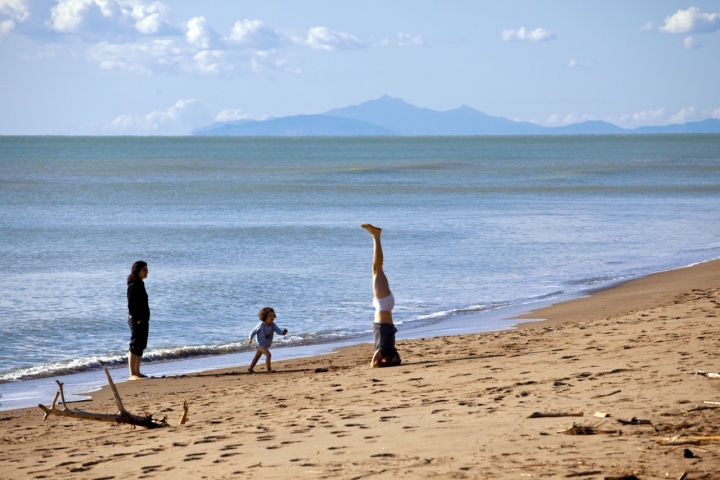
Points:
(194, 456)
(231, 447)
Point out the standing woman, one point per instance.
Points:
(383, 328)
(138, 317)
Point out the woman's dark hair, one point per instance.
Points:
(135, 271)
(265, 313)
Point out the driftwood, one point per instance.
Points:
(706, 402)
(123, 416)
(698, 440)
(634, 421)
(607, 394)
(585, 430)
(184, 417)
(707, 374)
(703, 407)
(555, 414)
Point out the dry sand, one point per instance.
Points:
(457, 408)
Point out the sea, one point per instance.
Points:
(476, 230)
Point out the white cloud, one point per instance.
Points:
(553, 119)
(175, 55)
(230, 114)
(210, 62)
(137, 36)
(650, 117)
(647, 27)
(254, 34)
(537, 35)
(322, 38)
(646, 116)
(685, 115)
(176, 120)
(407, 40)
(402, 40)
(200, 35)
(557, 120)
(574, 118)
(15, 9)
(140, 58)
(96, 20)
(692, 20)
(6, 27)
(661, 116)
(691, 42)
(574, 63)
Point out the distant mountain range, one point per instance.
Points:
(394, 116)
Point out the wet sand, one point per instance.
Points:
(458, 407)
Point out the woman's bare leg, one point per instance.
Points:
(138, 359)
(131, 364)
(381, 287)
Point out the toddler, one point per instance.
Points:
(265, 332)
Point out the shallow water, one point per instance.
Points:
(229, 225)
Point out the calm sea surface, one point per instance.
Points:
(230, 225)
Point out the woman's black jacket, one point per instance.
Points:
(138, 301)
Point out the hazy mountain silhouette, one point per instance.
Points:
(394, 116)
(407, 119)
(711, 125)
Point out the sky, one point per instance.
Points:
(138, 67)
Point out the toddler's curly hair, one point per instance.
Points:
(265, 313)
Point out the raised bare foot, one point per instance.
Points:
(135, 377)
(373, 230)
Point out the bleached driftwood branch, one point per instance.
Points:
(699, 440)
(707, 374)
(123, 416)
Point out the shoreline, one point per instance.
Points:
(624, 293)
(640, 293)
(459, 406)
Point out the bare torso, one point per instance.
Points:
(383, 317)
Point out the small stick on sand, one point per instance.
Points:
(184, 417)
(607, 394)
(707, 374)
(555, 414)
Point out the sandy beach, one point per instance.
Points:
(458, 407)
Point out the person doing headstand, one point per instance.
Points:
(383, 328)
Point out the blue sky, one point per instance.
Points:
(143, 67)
